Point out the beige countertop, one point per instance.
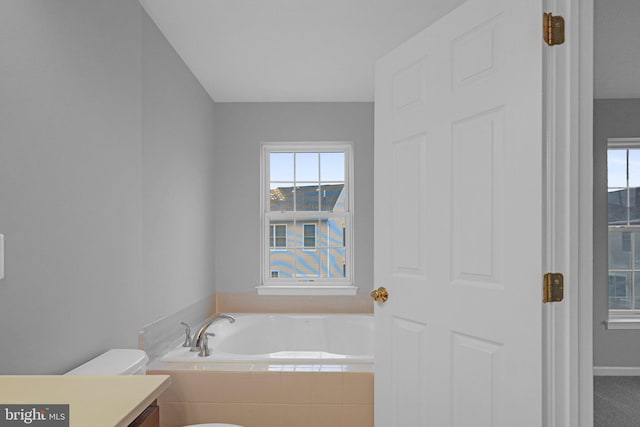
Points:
(96, 401)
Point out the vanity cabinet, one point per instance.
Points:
(96, 401)
(150, 417)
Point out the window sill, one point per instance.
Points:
(308, 290)
(623, 323)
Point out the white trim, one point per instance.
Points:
(623, 323)
(307, 290)
(616, 371)
(581, 353)
(267, 216)
(623, 142)
(568, 330)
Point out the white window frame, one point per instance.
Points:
(621, 319)
(306, 286)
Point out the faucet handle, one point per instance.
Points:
(187, 332)
(204, 344)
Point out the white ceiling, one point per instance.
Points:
(325, 50)
(289, 50)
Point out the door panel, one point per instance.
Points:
(458, 221)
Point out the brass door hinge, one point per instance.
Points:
(553, 29)
(553, 289)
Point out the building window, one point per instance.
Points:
(309, 236)
(278, 236)
(307, 215)
(623, 182)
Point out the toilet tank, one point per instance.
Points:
(115, 362)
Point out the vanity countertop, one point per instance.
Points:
(97, 401)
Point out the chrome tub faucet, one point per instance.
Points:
(200, 339)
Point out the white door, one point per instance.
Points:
(458, 221)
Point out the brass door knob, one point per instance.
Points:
(380, 294)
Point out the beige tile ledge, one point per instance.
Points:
(251, 302)
(159, 367)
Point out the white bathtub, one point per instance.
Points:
(286, 338)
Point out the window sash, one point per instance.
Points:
(620, 144)
(302, 219)
(344, 278)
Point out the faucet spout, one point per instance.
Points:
(198, 339)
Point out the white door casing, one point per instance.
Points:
(458, 221)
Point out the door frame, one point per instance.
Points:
(568, 326)
(582, 121)
(569, 332)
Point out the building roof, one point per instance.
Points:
(620, 213)
(307, 197)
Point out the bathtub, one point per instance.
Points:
(286, 339)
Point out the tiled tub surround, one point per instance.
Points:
(260, 394)
(263, 395)
(290, 370)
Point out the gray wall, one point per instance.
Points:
(240, 128)
(177, 180)
(78, 128)
(613, 118)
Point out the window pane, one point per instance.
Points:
(634, 167)
(332, 198)
(636, 290)
(281, 166)
(331, 232)
(619, 250)
(617, 168)
(617, 207)
(634, 210)
(282, 262)
(307, 263)
(619, 290)
(281, 197)
(307, 198)
(333, 262)
(332, 167)
(307, 167)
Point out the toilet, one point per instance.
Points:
(115, 362)
(124, 362)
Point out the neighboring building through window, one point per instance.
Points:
(623, 181)
(307, 214)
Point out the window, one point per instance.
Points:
(623, 194)
(278, 236)
(307, 214)
(309, 236)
